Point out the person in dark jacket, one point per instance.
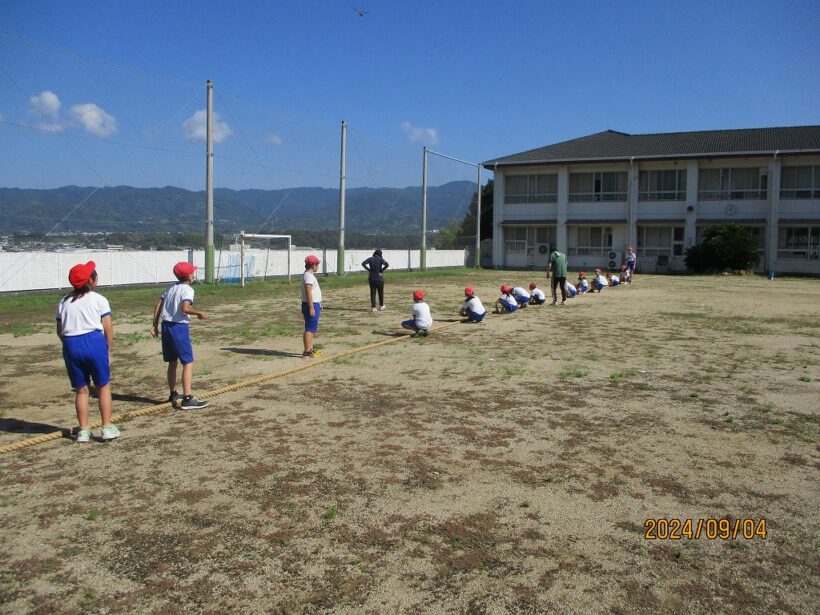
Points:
(376, 266)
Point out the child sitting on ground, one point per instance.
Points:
(583, 283)
(472, 307)
(538, 297)
(522, 297)
(506, 303)
(599, 282)
(614, 280)
(571, 290)
(422, 319)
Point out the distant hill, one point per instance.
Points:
(145, 210)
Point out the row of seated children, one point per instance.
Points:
(601, 281)
(512, 299)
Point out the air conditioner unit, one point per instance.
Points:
(543, 248)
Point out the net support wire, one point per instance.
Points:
(243, 235)
(477, 256)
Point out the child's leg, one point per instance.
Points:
(104, 400)
(307, 340)
(172, 375)
(409, 324)
(81, 406)
(187, 378)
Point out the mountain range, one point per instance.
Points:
(129, 209)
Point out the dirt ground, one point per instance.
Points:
(506, 467)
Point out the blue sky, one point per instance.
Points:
(111, 93)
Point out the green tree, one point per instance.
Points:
(468, 224)
(724, 246)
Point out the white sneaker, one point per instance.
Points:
(374, 310)
(83, 436)
(381, 308)
(110, 433)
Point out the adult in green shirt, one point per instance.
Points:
(558, 268)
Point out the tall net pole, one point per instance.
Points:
(340, 250)
(423, 252)
(478, 219)
(209, 188)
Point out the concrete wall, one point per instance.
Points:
(21, 271)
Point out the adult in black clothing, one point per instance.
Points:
(376, 266)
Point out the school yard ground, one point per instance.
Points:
(506, 467)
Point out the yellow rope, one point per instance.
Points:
(127, 416)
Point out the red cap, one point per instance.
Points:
(312, 260)
(533, 285)
(468, 292)
(581, 274)
(183, 269)
(81, 274)
(418, 295)
(506, 288)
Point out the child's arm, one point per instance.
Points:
(60, 329)
(157, 312)
(309, 297)
(188, 309)
(108, 331)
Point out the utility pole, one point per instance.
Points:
(423, 253)
(340, 250)
(209, 188)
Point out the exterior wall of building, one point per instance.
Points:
(682, 218)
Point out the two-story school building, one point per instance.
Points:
(592, 197)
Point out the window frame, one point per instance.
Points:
(532, 193)
(597, 192)
(812, 191)
(726, 185)
(645, 183)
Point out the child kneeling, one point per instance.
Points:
(422, 319)
(506, 303)
(472, 307)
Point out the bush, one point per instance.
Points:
(724, 246)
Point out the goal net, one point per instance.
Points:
(255, 256)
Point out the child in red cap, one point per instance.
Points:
(506, 303)
(175, 308)
(472, 308)
(537, 295)
(85, 329)
(422, 319)
(311, 305)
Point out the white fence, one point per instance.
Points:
(46, 270)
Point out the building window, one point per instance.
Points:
(515, 239)
(528, 239)
(741, 183)
(798, 242)
(592, 241)
(800, 183)
(586, 187)
(531, 189)
(662, 185)
(666, 241)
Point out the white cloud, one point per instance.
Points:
(428, 136)
(94, 119)
(273, 139)
(47, 104)
(195, 129)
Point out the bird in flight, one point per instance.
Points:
(360, 12)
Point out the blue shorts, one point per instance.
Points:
(86, 358)
(176, 342)
(537, 301)
(509, 307)
(630, 265)
(571, 293)
(475, 316)
(311, 323)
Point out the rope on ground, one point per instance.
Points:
(127, 416)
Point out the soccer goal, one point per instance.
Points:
(262, 256)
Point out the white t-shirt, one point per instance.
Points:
(601, 280)
(570, 288)
(520, 294)
(172, 300)
(474, 305)
(614, 280)
(539, 294)
(630, 256)
(509, 300)
(583, 283)
(310, 279)
(83, 315)
(422, 316)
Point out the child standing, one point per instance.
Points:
(506, 303)
(422, 319)
(87, 334)
(538, 296)
(472, 307)
(175, 308)
(522, 297)
(311, 305)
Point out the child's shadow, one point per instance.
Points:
(20, 426)
(262, 352)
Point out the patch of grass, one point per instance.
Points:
(805, 378)
(93, 515)
(22, 330)
(331, 513)
(4, 503)
(573, 372)
(619, 377)
(644, 386)
(87, 599)
(513, 370)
